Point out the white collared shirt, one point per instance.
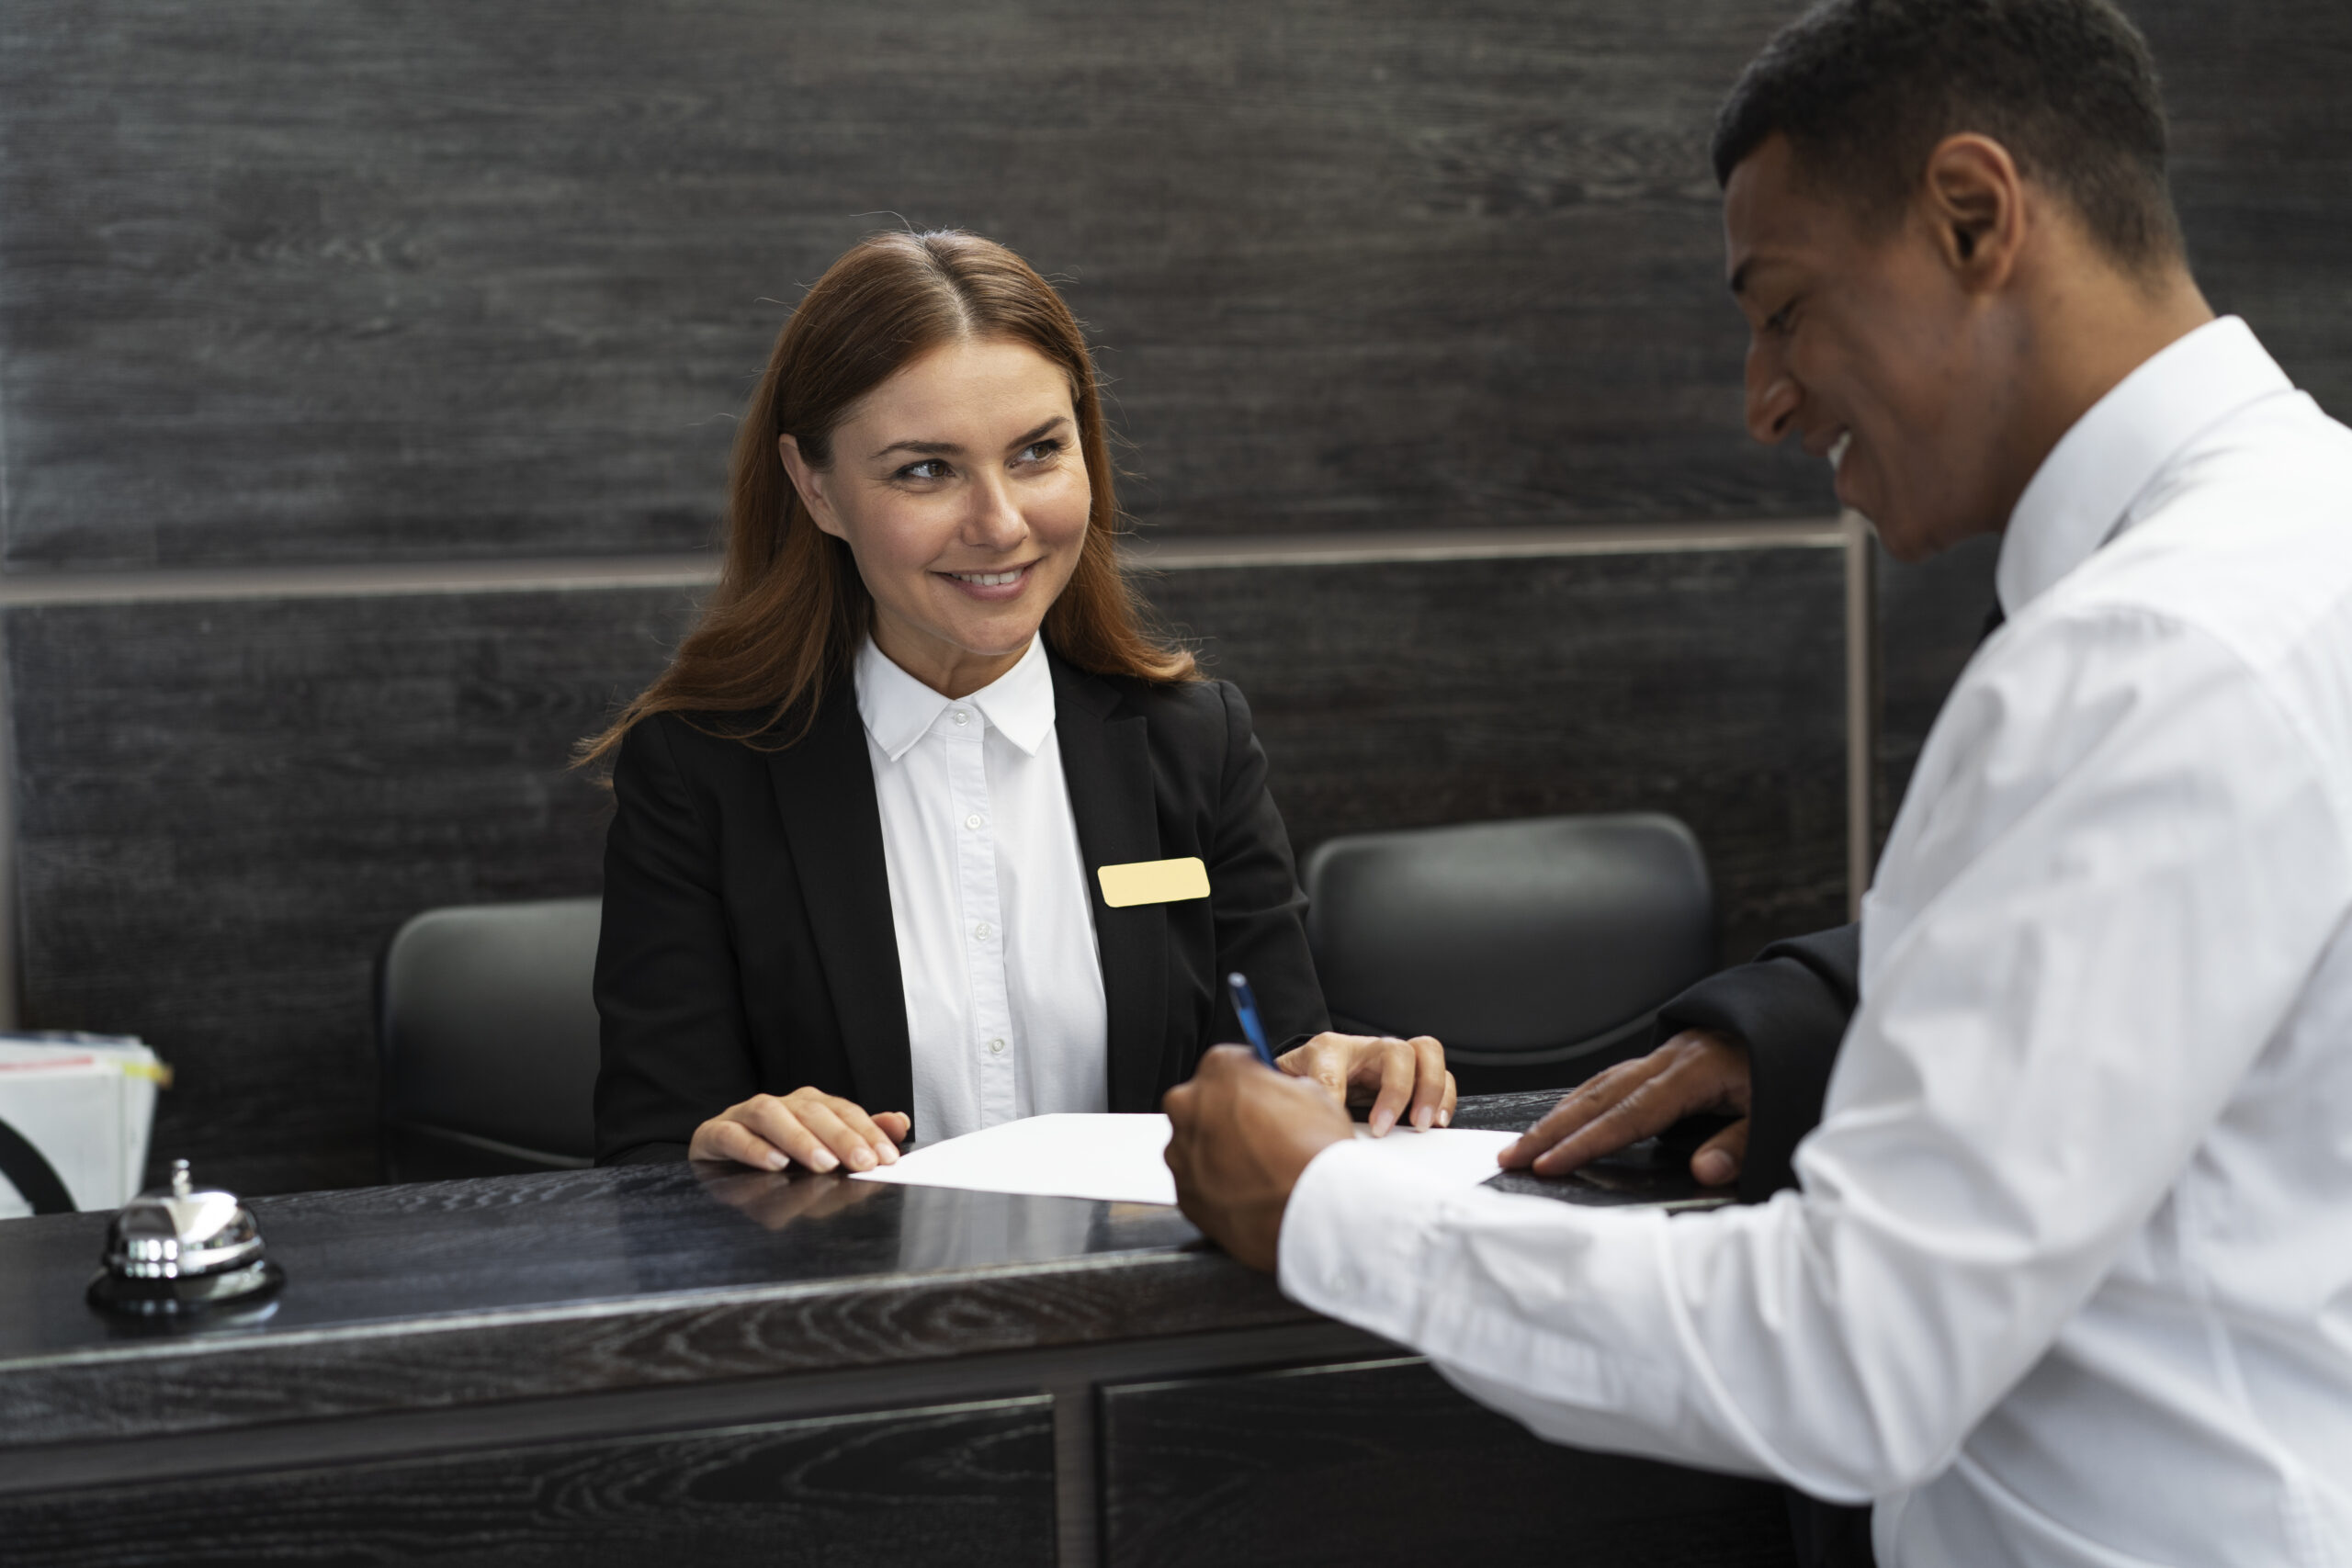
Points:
(2069, 1277)
(988, 893)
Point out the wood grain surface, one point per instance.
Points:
(451, 1295)
(225, 810)
(1385, 1464)
(417, 278)
(1704, 684)
(970, 1483)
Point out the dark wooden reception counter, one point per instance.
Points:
(662, 1364)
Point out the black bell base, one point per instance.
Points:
(208, 1296)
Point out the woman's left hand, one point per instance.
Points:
(1389, 1074)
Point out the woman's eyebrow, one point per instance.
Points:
(951, 449)
(1018, 442)
(921, 448)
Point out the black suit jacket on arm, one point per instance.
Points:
(1790, 1008)
(748, 945)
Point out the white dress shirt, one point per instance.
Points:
(2069, 1277)
(988, 893)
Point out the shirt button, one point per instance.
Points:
(996, 1047)
(973, 821)
(962, 717)
(984, 931)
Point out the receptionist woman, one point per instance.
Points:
(854, 883)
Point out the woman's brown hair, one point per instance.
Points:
(790, 611)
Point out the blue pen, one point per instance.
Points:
(1246, 1005)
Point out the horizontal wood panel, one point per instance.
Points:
(418, 278)
(1384, 1463)
(966, 1484)
(1706, 683)
(414, 280)
(226, 808)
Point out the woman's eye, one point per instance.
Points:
(1039, 452)
(928, 468)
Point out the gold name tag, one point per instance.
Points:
(1154, 881)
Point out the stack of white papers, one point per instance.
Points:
(87, 1102)
(1119, 1159)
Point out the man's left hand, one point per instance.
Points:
(1240, 1138)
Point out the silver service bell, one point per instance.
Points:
(180, 1249)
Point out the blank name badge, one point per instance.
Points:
(1154, 881)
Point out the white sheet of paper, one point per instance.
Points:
(1118, 1158)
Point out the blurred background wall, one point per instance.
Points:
(367, 372)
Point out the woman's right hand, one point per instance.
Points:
(821, 1131)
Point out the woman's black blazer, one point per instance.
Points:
(748, 945)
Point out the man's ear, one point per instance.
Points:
(810, 482)
(1975, 201)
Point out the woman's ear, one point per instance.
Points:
(810, 482)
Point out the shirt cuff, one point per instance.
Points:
(1354, 1236)
(1569, 1303)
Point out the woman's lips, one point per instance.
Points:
(991, 585)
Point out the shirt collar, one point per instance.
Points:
(899, 710)
(2083, 493)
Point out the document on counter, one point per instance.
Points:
(1119, 1158)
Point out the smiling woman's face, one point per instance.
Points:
(960, 489)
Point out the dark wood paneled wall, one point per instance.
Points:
(411, 281)
(420, 278)
(1707, 683)
(226, 808)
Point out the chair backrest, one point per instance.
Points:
(486, 1032)
(1544, 943)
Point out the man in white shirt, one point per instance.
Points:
(2067, 1275)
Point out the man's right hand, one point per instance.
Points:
(1695, 1073)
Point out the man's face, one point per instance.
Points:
(1866, 346)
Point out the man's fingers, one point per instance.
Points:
(1431, 1080)
(1719, 1159)
(1644, 1114)
(1577, 1108)
(1445, 1107)
(1395, 1059)
(895, 1124)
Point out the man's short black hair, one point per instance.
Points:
(1865, 89)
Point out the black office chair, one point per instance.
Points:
(1539, 951)
(486, 1034)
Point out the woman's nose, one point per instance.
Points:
(995, 520)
